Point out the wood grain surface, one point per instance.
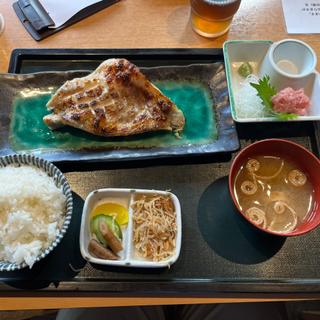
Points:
(143, 24)
(149, 24)
(32, 303)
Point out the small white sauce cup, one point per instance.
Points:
(290, 63)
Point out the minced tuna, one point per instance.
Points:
(291, 101)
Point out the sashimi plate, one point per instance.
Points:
(237, 52)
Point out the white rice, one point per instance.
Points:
(32, 210)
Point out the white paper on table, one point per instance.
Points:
(60, 11)
(302, 16)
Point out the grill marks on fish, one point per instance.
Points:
(114, 100)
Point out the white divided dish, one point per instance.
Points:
(128, 257)
(237, 52)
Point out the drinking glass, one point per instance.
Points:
(212, 18)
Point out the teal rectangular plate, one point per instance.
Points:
(199, 90)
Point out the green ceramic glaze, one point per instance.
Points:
(28, 132)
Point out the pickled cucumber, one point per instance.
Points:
(111, 223)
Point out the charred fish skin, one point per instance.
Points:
(114, 100)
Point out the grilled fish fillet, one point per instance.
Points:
(114, 100)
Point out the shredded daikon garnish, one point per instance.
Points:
(248, 104)
(154, 227)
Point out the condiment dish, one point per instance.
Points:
(290, 63)
(128, 256)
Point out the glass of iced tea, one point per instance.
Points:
(212, 18)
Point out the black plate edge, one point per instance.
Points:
(22, 53)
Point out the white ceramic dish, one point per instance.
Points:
(128, 256)
(238, 51)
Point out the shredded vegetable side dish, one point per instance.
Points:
(154, 227)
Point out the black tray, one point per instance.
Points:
(220, 252)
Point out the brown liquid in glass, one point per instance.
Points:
(212, 18)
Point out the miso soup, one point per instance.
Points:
(274, 193)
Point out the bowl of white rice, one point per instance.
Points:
(35, 210)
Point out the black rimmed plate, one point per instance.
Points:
(200, 90)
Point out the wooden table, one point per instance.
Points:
(144, 24)
(149, 24)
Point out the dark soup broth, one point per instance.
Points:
(274, 193)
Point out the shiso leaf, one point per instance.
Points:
(286, 116)
(265, 91)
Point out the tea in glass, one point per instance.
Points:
(212, 18)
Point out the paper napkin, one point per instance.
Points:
(60, 11)
(302, 16)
